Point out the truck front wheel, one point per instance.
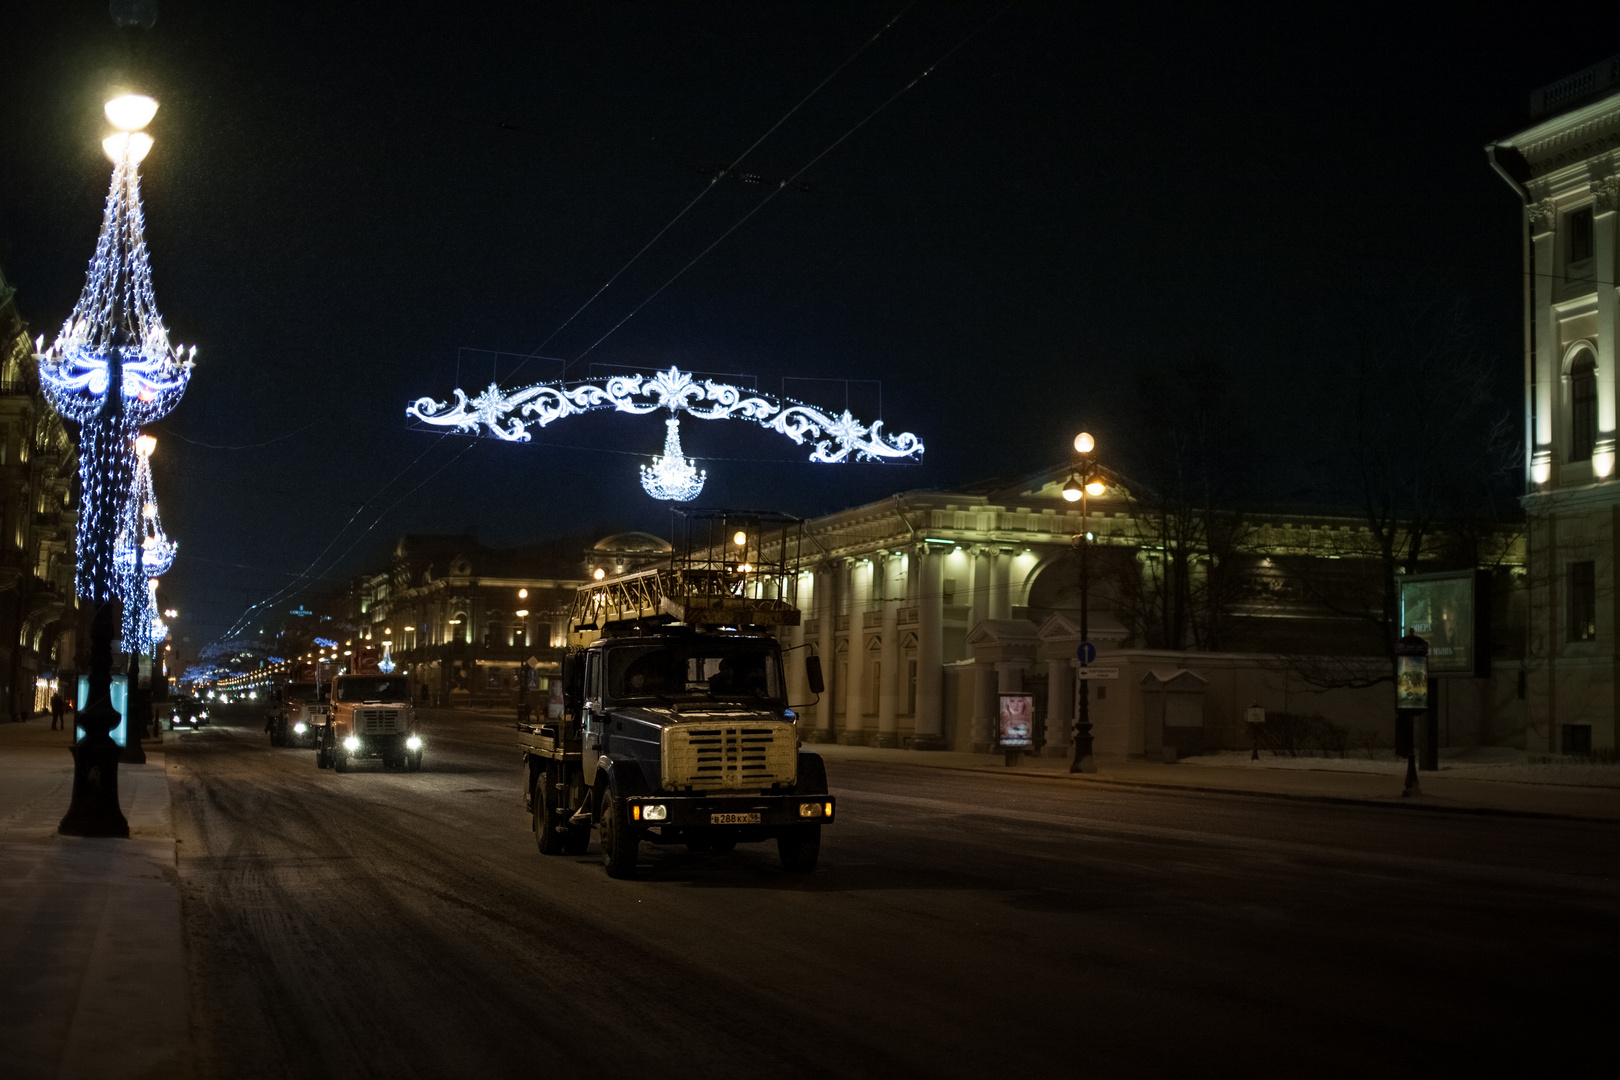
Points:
(340, 760)
(413, 760)
(620, 844)
(799, 848)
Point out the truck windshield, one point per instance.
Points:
(301, 691)
(379, 688)
(704, 670)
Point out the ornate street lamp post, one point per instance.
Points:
(1084, 481)
(111, 370)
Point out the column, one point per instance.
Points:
(1543, 458)
(859, 577)
(1605, 203)
(797, 690)
(981, 586)
(1000, 606)
(930, 718)
(888, 571)
(1059, 703)
(826, 601)
(984, 706)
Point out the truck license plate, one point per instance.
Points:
(734, 819)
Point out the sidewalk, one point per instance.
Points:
(93, 976)
(1366, 786)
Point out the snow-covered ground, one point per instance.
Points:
(1481, 763)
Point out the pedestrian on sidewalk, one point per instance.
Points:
(58, 709)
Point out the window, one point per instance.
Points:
(911, 688)
(1582, 408)
(1580, 234)
(1582, 602)
(1577, 738)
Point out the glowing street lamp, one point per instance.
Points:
(1085, 480)
(111, 370)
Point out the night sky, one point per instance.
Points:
(352, 205)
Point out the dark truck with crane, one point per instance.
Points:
(301, 708)
(676, 726)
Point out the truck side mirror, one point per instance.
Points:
(812, 674)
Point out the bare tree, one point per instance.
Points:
(1424, 447)
(1188, 466)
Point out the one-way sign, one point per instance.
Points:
(1086, 653)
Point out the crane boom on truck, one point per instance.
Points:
(676, 725)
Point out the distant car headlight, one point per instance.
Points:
(414, 742)
(300, 727)
(352, 743)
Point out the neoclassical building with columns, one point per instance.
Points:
(1566, 170)
(925, 606)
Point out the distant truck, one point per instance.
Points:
(301, 709)
(676, 727)
(371, 717)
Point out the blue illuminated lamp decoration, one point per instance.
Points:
(672, 476)
(386, 664)
(111, 368)
(141, 518)
(508, 416)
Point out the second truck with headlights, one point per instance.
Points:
(371, 716)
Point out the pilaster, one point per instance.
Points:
(887, 571)
(930, 720)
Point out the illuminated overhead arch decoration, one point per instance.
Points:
(833, 439)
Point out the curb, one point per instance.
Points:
(1204, 789)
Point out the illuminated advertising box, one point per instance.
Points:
(1015, 723)
(1450, 612)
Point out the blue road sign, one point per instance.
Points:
(1087, 652)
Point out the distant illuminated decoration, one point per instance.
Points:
(508, 416)
(112, 368)
(386, 664)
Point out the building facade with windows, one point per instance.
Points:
(1565, 169)
(38, 464)
(466, 622)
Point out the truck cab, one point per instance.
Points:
(300, 716)
(676, 725)
(372, 716)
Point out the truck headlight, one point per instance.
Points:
(810, 809)
(414, 742)
(299, 728)
(352, 743)
(655, 812)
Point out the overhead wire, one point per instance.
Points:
(794, 178)
(701, 195)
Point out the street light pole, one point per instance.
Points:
(111, 369)
(1083, 481)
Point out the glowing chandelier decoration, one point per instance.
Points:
(834, 439)
(141, 517)
(386, 664)
(112, 368)
(673, 477)
(142, 629)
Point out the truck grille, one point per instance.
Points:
(745, 756)
(378, 722)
